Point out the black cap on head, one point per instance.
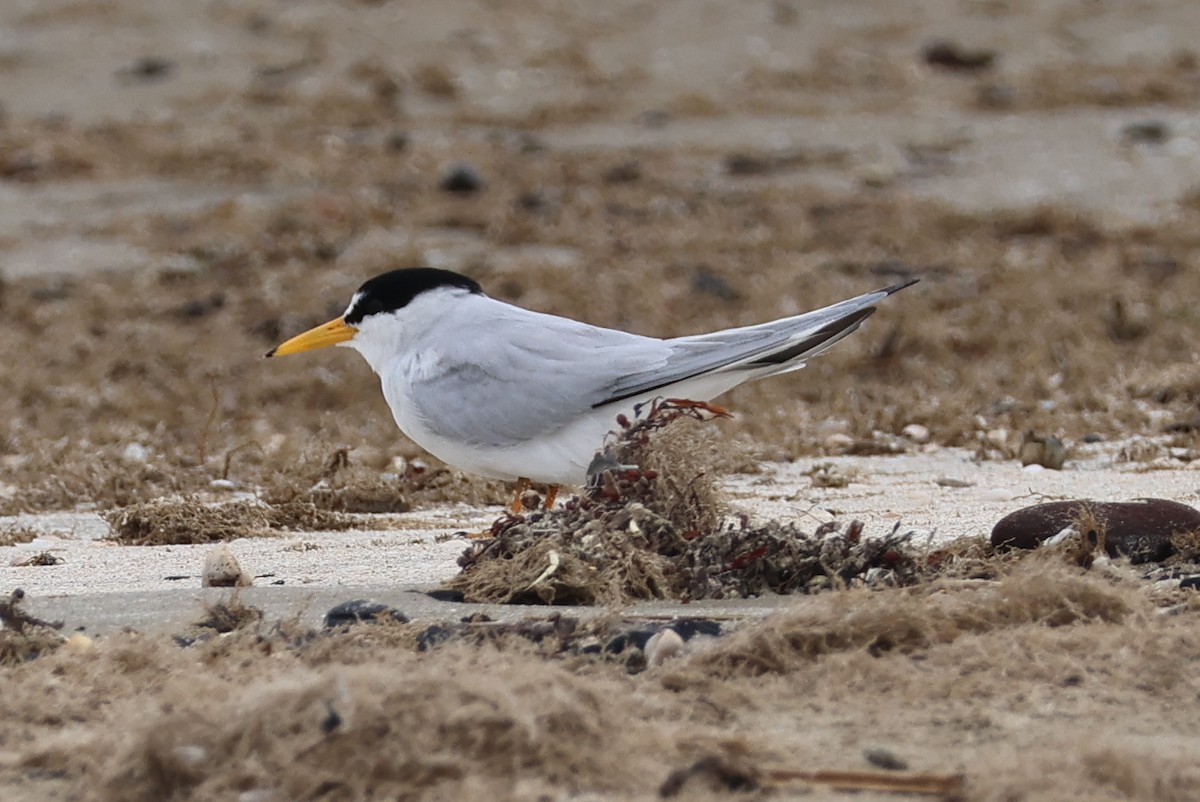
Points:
(396, 289)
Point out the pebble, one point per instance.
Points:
(884, 758)
(432, 636)
(359, 610)
(1044, 450)
(916, 432)
(1140, 530)
(461, 179)
(222, 570)
(949, 55)
(662, 646)
(79, 644)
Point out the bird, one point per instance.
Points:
(517, 395)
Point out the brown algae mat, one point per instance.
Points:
(649, 526)
(1046, 682)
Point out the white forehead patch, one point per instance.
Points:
(353, 301)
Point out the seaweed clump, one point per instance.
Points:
(649, 525)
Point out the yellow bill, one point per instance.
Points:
(331, 333)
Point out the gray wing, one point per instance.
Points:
(522, 374)
(525, 374)
(762, 350)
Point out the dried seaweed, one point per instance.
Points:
(188, 520)
(648, 527)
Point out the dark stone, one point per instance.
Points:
(1140, 530)
(948, 55)
(884, 758)
(432, 636)
(1146, 132)
(1190, 582)
(688, 628)
(461, 179)
(446, 595)
(623, 173)
(635, 638)
(150, 68)
(358, 610)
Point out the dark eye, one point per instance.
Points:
(368, 306)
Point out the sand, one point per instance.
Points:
(183, 185)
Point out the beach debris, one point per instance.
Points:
(1043, 449)
(952, 481)
(147, 69)
(827, 474)
(1146, 132)
(626, 172)
(36, 559)
(175, 521)
(461, 178)
(24, 637)
(648, 527)
(947, 55)
(229, 615)
(222, 570)
(916, 432)
(727, 773)
(359, 610)
(637, 642)
(1145, 530)
(16, 619)
(884, 758)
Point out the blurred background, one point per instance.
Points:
(184, 184)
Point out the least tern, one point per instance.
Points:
(506, 393)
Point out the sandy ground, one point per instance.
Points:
(182, 185)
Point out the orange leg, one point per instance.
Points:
(516, 507)
(551, 494)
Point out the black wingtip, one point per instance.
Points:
(897, 287)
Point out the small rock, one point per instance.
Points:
(997, 438)
(689, 628)
(79, 644)
(1141, 530)
(149, 68)
(358, 610)
(1146, 132)
(884, 758)
(222, 570)
(432, 636)
(950, 481)
(1190, 583)
(461, 179)
(662, 646)
(916, 432)
(222, 484)
(624, 173)
(444, 595)
(949, 55)
(1044, 450)
(828, 475)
